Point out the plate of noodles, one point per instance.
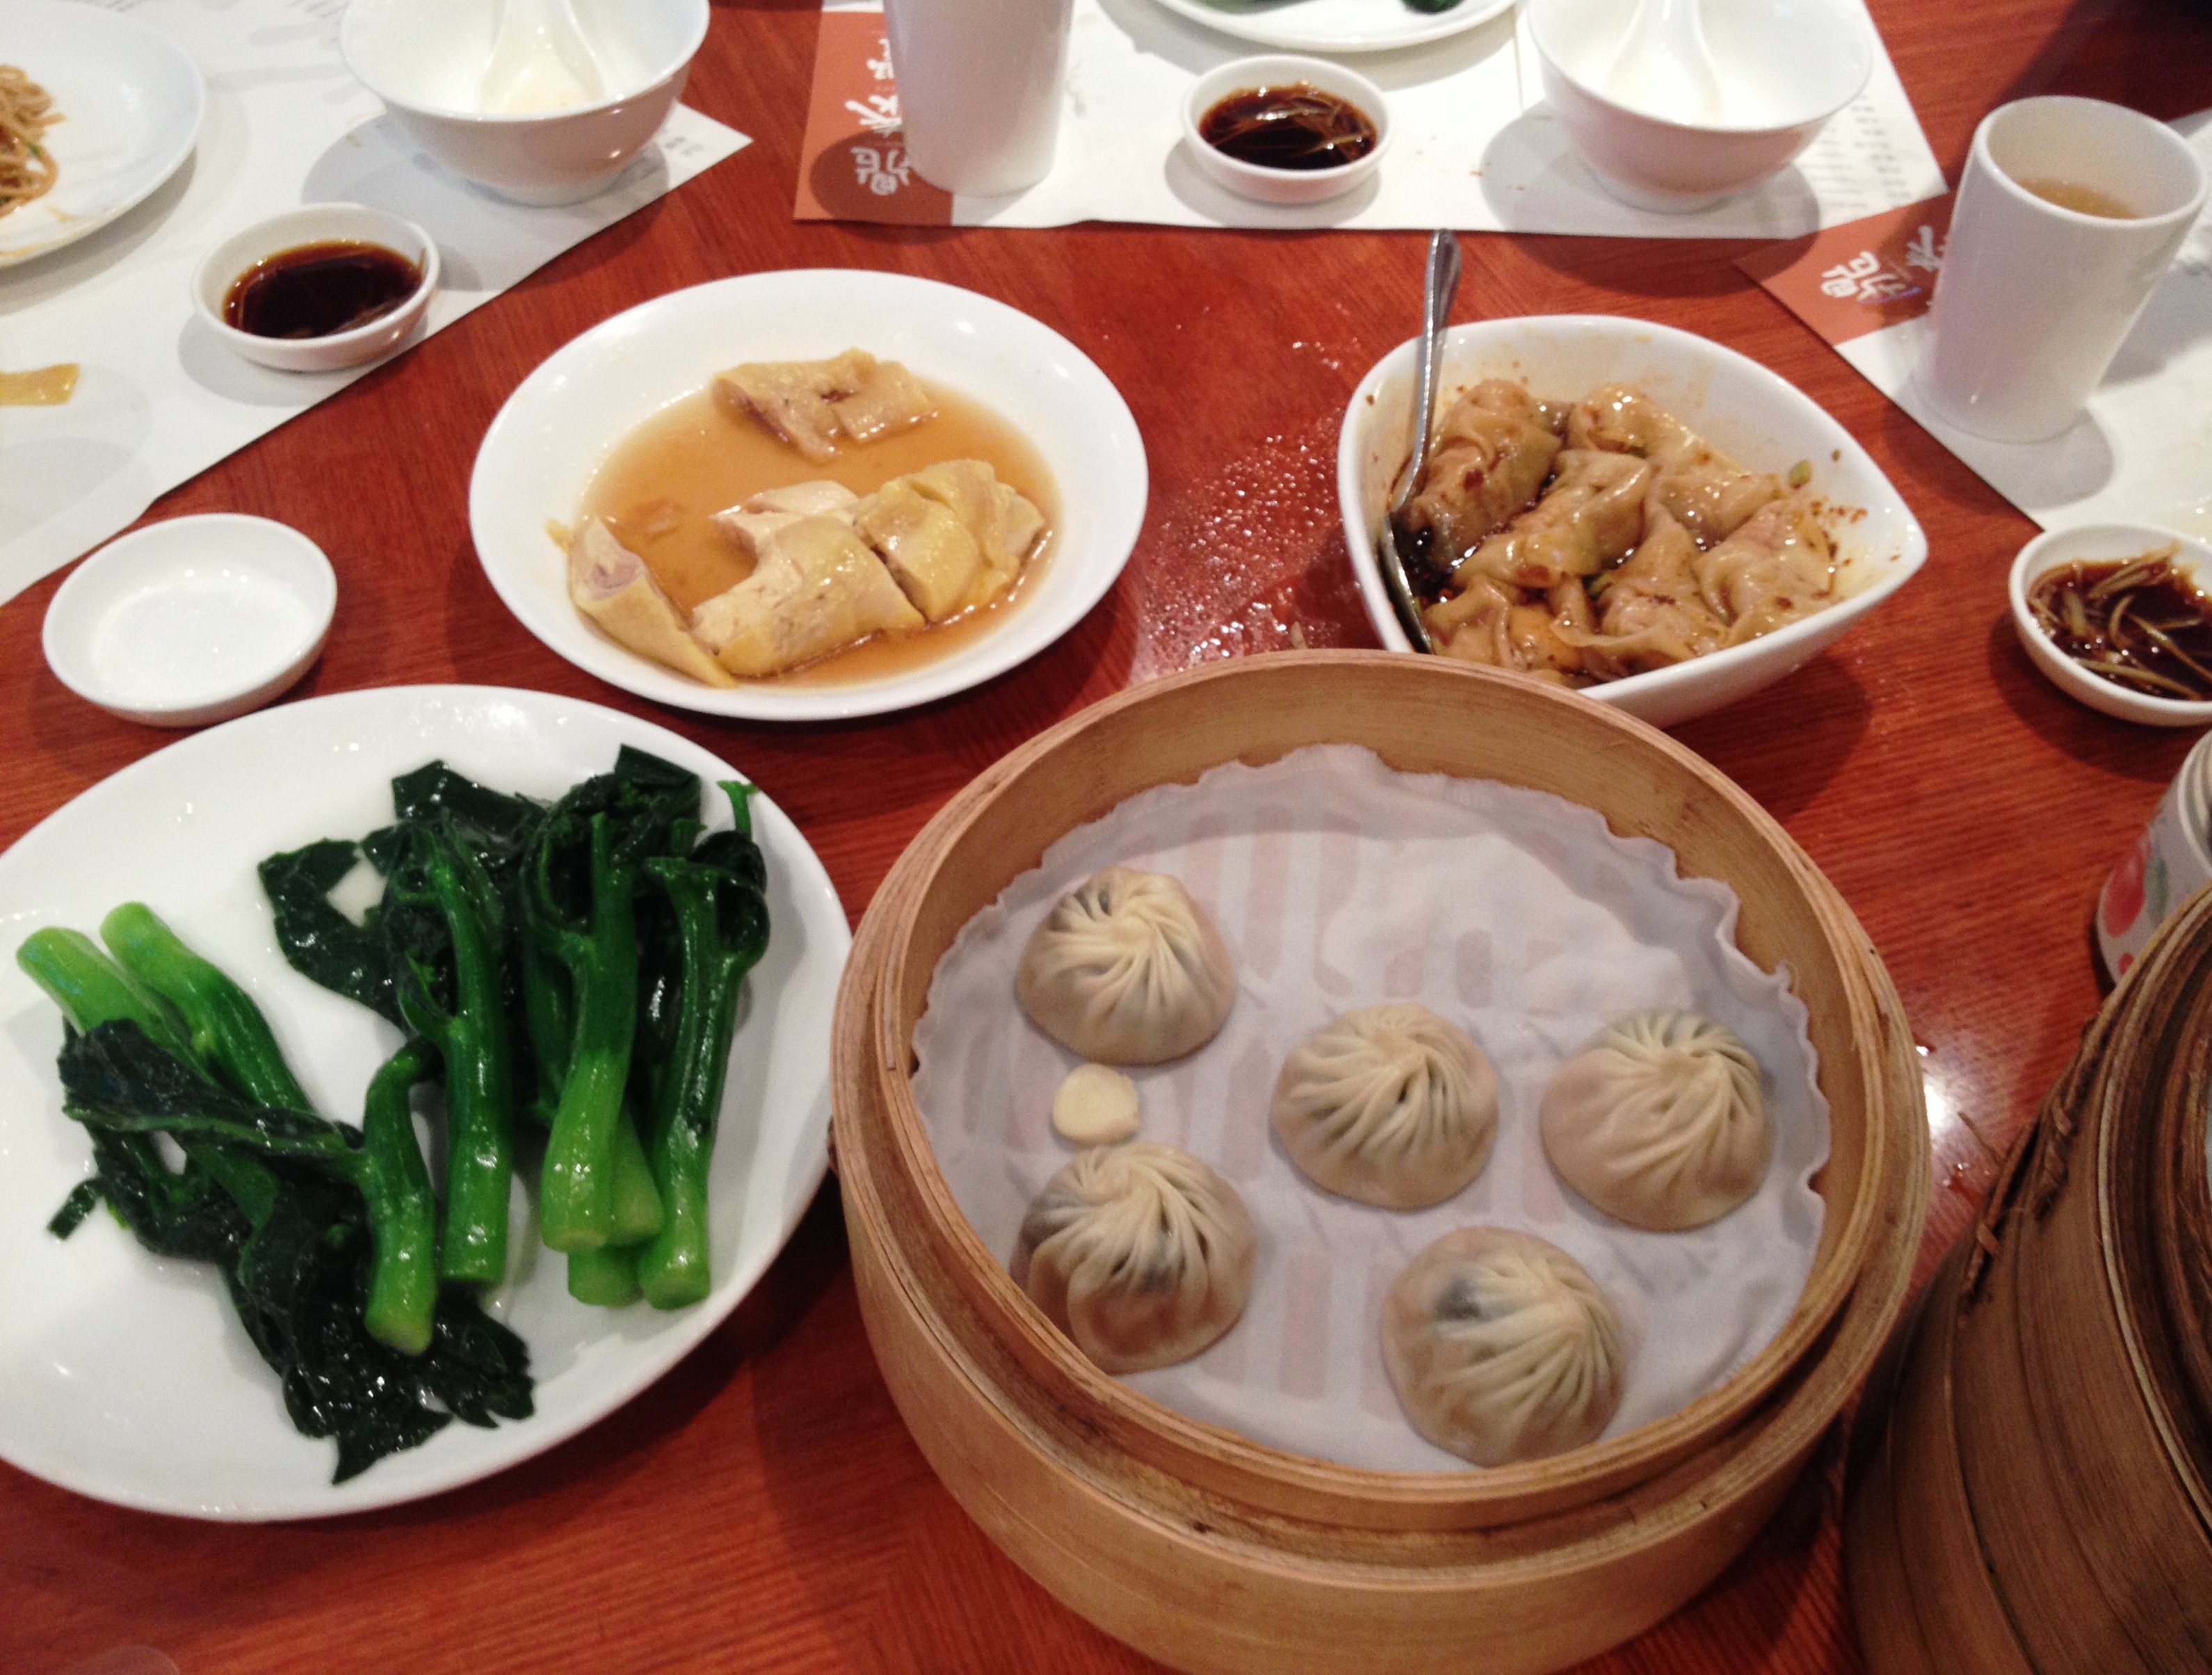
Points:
(96, 110)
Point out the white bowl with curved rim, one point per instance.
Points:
(426, 60)
(317, 223)
(1784, 67)
(1766, 422)
(566, 417)
(192, 621)
(1282, 186)
(2103, 544)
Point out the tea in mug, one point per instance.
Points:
(2082, 200)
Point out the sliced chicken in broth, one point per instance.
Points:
(891, 543)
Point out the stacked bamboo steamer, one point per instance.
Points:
(1210, 1551)
(2039, 1503)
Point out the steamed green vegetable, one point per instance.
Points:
(715, 931)
(325, 1236)
(580, 884)
(582, 979)
(447, 929)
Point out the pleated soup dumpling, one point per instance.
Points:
(1658, 1120)
(1127, 969)
(1139, 1253)
(1501, 1348)
(1390, 1105)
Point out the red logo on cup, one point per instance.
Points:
(2124, 891)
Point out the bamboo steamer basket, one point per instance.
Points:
(1213, 1552)
(1928, 1607)
(2067, 1412)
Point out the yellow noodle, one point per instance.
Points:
(26, 167)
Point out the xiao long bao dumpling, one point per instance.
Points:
(1657, 1120)
(1389, 1105)
(1127, 969)
(1501, 1348)
(1139, 1253)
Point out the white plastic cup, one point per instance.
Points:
(2164, 867)
(979, 89)
(2033, 300)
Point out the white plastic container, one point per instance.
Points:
(2164, 867)
(980, 88)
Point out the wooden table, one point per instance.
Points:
(761, 1508)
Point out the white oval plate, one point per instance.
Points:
(564, 419)
(130, 101)
(1336, 26)
(127, 1377)
(1743, 408)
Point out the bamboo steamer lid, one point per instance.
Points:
(2067, 1398)
(1213, 1552)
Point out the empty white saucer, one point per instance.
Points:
(192, 621)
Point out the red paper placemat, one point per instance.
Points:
(852, 162)
(1859, 277)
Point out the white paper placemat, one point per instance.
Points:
(159, 399)
(1336, 883)
(1476, 147)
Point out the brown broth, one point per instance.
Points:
(696, 457)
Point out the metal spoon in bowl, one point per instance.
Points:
(1443, 285)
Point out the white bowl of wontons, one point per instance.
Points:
(579, 410)
(1788, 477)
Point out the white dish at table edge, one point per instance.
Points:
(214, 615)
(2099, 543)
(1339, 25)
(1766, 423)
(105, 70)
(127, 1377)
(564, 419)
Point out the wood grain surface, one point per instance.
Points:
(761, 1508)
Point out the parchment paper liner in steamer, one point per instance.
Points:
(1339, 882)
(1420, 716)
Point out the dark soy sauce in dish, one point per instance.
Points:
(1297, 126)
(2141, 624)
(318, 290)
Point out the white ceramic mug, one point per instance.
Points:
(979, 89)
(2033, 298)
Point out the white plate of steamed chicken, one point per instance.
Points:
(809, 495)
(1623, 507)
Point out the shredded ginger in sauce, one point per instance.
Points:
(2139, 622)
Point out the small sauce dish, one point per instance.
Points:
(1284, 186)
(2104, 543)
(192, 621)
(229, 262)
